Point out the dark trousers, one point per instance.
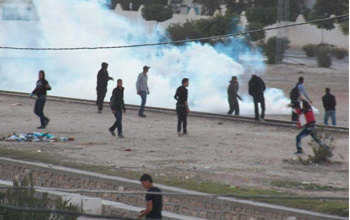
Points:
(182, 118)
(259, 99)
(101, 94)
(305, 132)
(295, 104)
(143, 102)
(234, 106)
(39, 110)
(118, 122)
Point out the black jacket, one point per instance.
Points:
(40, 88)
(117, 99)
(329, 102)
(181, 95)
(102, 78)
(232, 90)
(256, 86)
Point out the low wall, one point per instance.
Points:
(196, 206)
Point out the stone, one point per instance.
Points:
(242, 217)
(185, 211)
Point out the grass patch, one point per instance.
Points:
(307, 186)
(340, 208)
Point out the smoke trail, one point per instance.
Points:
(75, 23)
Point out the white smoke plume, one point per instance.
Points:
(76, 23)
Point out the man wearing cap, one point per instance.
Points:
(232, 92)
(142, 89)
(102, 81)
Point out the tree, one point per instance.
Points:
(217, 25)
(158, 13)
(263, 15)
(257, 35)
(176, 5)
(238, 6)
(209, 6)
(270, 49)
(326, 8)
(187, 30)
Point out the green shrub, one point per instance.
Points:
(310, 50)
(324, 58)
(339, 53)
(321, 154)
(26, 197)
(269, 49)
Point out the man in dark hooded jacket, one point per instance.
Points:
(117, 106)
(256, 90)
(232, 92)
(102, 81)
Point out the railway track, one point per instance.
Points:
(267, 122)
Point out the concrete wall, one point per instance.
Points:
(307, 34)
(196, 206)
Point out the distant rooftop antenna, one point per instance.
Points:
(283, 16)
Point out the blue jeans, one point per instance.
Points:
(118, 122)
(143, 102)
(39, 110)
(328, 114)
(305, 132)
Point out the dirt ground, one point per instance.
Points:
(239, 154)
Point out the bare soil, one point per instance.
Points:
(239, 154)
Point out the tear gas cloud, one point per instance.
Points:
(72, 23)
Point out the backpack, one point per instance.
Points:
(294, 93)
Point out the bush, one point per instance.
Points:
(321, 153)
(339, 53)
(324, 58)
(310, 50)
(269, 49)
(26, 197)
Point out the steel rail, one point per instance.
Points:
(268, 122)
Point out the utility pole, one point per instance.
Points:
(283, 16)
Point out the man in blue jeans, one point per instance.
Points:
(117, 105)
(329, 104)
(142, 89)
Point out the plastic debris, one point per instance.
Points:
(34, 137)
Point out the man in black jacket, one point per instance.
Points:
(329, 104)
(117, 105)
(41, 88)
(232, 92)
(182, 108)
(256, 90)
(102, 81)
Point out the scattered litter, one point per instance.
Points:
(34, 137)
(207, 167)
(220, 123)
(186, 177)
(232, 187)
(39, 151)
(127, 149)
(17, 104)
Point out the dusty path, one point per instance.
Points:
(240, 154)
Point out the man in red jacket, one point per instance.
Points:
(309, 127)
